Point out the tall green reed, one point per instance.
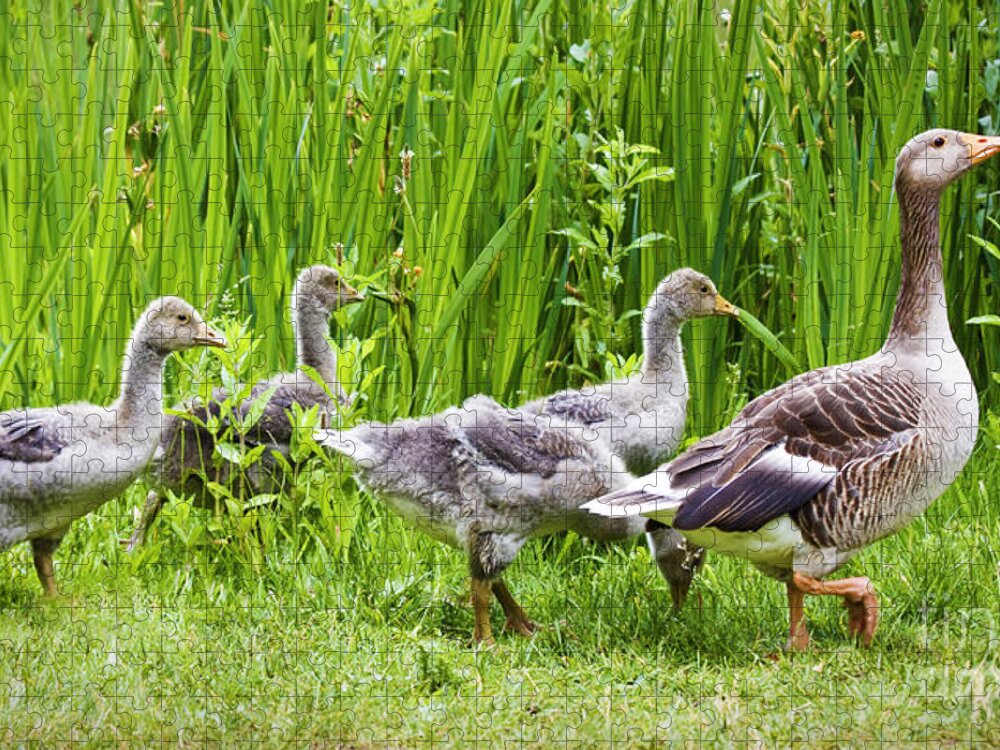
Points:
(204, 149)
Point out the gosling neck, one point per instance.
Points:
(312, 348)
(140, 401)
(921, 308)
(664, 353)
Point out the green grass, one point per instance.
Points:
(191, 646)
(565, 155)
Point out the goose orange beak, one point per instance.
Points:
(725, 307)
(981, 147)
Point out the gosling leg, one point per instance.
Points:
(482, 632)
(517, 620)
(489, 555)
(42, 549)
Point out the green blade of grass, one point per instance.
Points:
(770, 341)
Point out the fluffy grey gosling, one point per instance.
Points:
(183, 463)
(643, 417)
(60, 463)
(485, 479)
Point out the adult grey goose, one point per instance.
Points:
(484, 478)
(814, 471)
(184, 462)
(642, 416)
(60, 463)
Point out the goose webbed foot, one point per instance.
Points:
(863, 612)
(517, 620)
(859, 598)
(149, 513)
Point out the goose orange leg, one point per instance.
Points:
(798, 634)
(859, 598)
(517, 620)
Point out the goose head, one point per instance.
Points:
(170, 324)
(322, 287)
(934, 159)
(683, 295)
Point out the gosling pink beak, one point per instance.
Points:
(208, 337)
(351, 294)
(725, 307)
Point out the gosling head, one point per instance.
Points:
(323, 287)
(683, 295)
(170, 324)
(678, 561)
(931, 161)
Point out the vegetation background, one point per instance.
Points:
(519, 175)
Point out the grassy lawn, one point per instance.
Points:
(187, 646)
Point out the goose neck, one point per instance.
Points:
(921, 308)
(140, 401)
(312, 347)
(664, 352)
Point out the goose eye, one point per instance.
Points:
(704, 289)
(939, 142)
(182, 318)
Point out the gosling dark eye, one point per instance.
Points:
(704, 290)
(182, 318)
(939, 141)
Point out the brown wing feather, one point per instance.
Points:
(834, 416)
(851, 511)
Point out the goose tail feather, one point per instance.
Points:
(651, 496)
(344, 443)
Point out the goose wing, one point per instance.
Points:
(516, 444)
(28, 440)
(274, 426)
(586, 409)
(784, 448)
